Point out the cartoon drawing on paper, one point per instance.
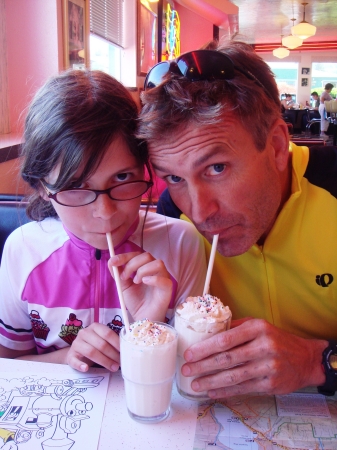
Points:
(44, 409)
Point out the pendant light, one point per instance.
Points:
(281, 52)
(292, 41)
(303, 30)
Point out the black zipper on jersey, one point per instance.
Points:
(97, 299)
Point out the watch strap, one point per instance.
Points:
(330, 386)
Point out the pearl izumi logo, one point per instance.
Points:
(324, 280)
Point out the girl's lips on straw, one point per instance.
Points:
(112, 232)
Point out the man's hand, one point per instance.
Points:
(95, 344)
(254, 357)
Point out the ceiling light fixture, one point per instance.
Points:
(303, 30)
(292, 41)
(281, 52)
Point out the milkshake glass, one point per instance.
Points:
(148, 364)
(197, 319)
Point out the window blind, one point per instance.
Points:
(106, 20)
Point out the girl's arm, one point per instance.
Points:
(57, 357)
(95, 344)
(146, 284)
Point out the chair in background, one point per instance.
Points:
(331, 107)
(12, 215)
(310, 122)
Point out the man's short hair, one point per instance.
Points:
(314, 93)
(177, 102)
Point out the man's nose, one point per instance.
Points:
(105, 207)
(203, 204)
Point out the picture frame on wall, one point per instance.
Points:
(76, 34)
(305, 71)
(147, 47)
(304, 82)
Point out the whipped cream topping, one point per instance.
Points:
(203, 308)
(146, 333)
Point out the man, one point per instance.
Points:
(315, 101)
(213, 125)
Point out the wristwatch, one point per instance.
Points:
(329, 362)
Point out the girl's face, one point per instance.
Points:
(91, 222)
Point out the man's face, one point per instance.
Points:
(218, 178)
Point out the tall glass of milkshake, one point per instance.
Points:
(197, 319)
(148, 363)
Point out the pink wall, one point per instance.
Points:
(194, 30)
(32, 50)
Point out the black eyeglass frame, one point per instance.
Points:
(223, 72)
(98, 192)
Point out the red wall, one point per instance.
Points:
(32, 50)
(194, 30)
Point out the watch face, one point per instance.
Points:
(333, 361)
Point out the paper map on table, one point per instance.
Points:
(251, 423)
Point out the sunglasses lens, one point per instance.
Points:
(156, 74)
(205, 65)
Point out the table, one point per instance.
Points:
(296, 117)
(118, 430)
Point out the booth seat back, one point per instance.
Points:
(12, 216)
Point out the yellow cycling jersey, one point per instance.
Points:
(292, 280)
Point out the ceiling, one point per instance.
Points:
(263, 21)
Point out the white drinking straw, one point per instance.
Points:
(211, 263)
(118, 283)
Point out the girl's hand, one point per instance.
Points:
(95, 344)
(146, 284)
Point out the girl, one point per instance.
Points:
(58, 300)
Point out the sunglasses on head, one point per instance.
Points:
(199, 65)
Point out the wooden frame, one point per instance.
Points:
(147, 36)
(76, 34)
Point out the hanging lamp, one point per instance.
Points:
(292, 41)
(281, 52)
(303, 30)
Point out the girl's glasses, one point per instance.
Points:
(82, 196)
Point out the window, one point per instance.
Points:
(286, 77)
(106, 35)
(105, 56)
(323, 73)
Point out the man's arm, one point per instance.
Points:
(255, 357)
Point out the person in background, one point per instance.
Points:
(324, 122)
(315, 101)
(58, 300)
(275, 211)
(288, 102)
